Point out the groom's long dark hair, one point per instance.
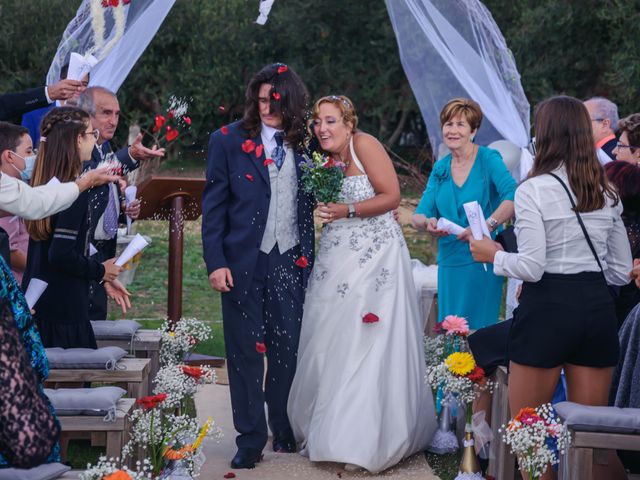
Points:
(292, 102)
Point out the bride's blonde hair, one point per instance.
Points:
(344, 104)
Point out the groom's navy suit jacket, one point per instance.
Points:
(235, 205)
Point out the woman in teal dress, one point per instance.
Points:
(470, 172)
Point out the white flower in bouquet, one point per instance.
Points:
(109, 466)
(180, 381)
(434, 350)
(185, 336)
(537, 438)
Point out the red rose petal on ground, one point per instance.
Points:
(187, 120)
(171, 135)
(261, 347)
(249, 177)
(276, 95)
(282, 68)
(267, 162)
(230, 475)
(370, 318)
(259, 150)
(302, 262)
(248, 146)
(224, 130)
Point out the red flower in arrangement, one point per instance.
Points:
(267, 162)
(171, 134)
(187, 120)
(261, 347)
(248, 146)
(229, 475)
(276, 96)
(370, 318)
(259, 150)
(476, 375)
(224, 130)
(193, 372)
(151, 401)
(330, 163)
(282, 68)
(249, 177)
(302, 262)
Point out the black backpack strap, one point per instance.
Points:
(584, 229)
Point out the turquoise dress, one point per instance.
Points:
(464, 288)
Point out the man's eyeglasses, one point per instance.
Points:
(95, 133)
(598, 119)
(622, 145)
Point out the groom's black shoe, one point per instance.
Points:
(246, 458)
(282, 444)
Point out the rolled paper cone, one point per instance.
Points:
(34, 291)
(130, 195)
(449, 226)
(53, 181)
(79, 65)
(477, 222)
(137, 244)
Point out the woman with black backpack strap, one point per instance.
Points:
(571, 243)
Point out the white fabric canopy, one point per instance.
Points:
(116, 56)
(453, 48)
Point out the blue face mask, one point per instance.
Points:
(29, 163)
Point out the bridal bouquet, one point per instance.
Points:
(322, 177)
(537, 438)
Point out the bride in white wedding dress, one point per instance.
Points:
(359, 395)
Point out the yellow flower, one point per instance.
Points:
(460, 363)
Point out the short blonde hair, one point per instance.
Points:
(344, 104)
(463, 107)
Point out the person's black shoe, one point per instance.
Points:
(284, 445)
(246, 458)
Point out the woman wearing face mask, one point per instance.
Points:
(16, 160)
(59, 245)
(360, 370)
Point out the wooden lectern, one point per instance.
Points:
(177, 200)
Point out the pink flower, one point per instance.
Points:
(455, 325)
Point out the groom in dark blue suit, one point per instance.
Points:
(258, 240)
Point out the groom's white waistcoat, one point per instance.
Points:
(282, 220)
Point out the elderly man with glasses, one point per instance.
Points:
(604, 123)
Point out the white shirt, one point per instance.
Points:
(550, 238)
(18, 198)
(268, 135)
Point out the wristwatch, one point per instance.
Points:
(352, 211)
(493, 223)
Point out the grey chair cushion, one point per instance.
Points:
(599, 419)
(85, 401)
(114, 329)
(105, 357)
(48, 471)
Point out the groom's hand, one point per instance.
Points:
(221, 280)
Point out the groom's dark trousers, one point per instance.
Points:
(265, 304)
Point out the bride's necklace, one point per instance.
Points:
(346, 162)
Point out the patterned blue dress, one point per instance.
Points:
(464, 288)
(30, 337)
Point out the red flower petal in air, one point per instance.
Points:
(370, 318)
(229, 475)
(276, 95)
(259, 150)
(302, 262)
(224, 130)
(160, 121)
(282, 68)
(261, 347)
(187, 120)
(171, 135)
(248, 146)
(267, 162)
(249, 177)
(221, 108)
(170, 114)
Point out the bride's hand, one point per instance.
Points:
(328, 212)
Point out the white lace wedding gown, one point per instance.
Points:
(359, 394)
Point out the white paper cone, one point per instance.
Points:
(92, 250)
(477, 222)
(449, 226)
(34, 291)
(130, 195)
(137, 244)
(80, 66)
(53, 181)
